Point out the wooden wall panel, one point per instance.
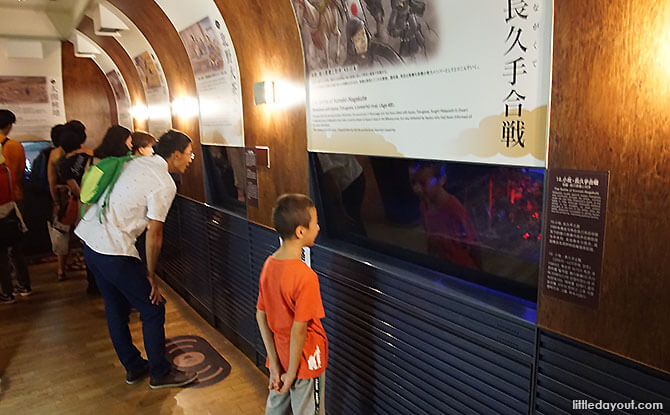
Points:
(267, 43)
(88, 97)
(164, 39)
(610, 111)
(122, 61)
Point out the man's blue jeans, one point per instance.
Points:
(122, 281)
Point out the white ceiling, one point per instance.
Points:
(40, 19)
(44, 5)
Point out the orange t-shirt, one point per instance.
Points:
(288, 292)
(15, 159)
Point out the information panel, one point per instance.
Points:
(436, 79)
(155, 88)
(217, 75)
(573, 234)
(37, 102)
(217, 80)
(122, 98)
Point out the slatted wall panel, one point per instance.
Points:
(195, 276)
(569, 371)
(398, 347)
(234, 303)
(169, 265)
(262, 243)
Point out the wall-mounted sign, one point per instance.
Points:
(121, 97)
(156, 91)
(435, 79)
(32, 86)
(37, 102)
(251, 176)
(217, 80)
(573, 234)
(210, 49)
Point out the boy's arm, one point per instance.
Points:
(268, 340)
(298, 335)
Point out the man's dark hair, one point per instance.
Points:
(291, 210)
(7, 118)
(78, 128)
(70, 139)
(170, 142)
(114, 143)
(56, 131)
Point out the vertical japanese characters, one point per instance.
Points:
(517, 61)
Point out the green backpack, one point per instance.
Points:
(98, 178)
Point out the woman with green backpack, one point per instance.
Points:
(115, 143)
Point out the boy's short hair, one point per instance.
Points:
(56, 131)
(170, 142)
(142, 139)
(78, 128)
(7, 118)
(70, 138)
(291, 210)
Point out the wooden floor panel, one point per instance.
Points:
(56, 358)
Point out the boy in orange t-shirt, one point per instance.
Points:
(289, 310)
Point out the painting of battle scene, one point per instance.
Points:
(367, 33)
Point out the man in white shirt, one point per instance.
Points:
(140, 199)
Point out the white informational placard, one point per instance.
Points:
(122, 98)
(155, 88)
(159, 114)
(32, 88)
(436, 79)
(217, 77)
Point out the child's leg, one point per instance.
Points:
(278, 404)
(307, 396)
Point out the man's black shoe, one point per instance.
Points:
(23, 292)
(134, 376)
(7, 299)
(174, 378)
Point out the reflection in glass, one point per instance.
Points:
(474, 221)
(224, 173)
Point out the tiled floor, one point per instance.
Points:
(56, 358)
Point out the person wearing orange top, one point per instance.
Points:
(289, 313)
(15, 160)
(15, 156)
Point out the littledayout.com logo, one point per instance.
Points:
(583, 404)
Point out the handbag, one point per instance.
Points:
(70, 215)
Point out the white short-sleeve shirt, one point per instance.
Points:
(144, 191)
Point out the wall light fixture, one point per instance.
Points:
(264, 92)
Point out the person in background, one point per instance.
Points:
(289, 313)
(11, 228)
(70, 170)
(54, 156)
(40, 174)
(12, 150)
(115, 143)
(141, 196)
(143, 143)
(75, 128)
(15, 159)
